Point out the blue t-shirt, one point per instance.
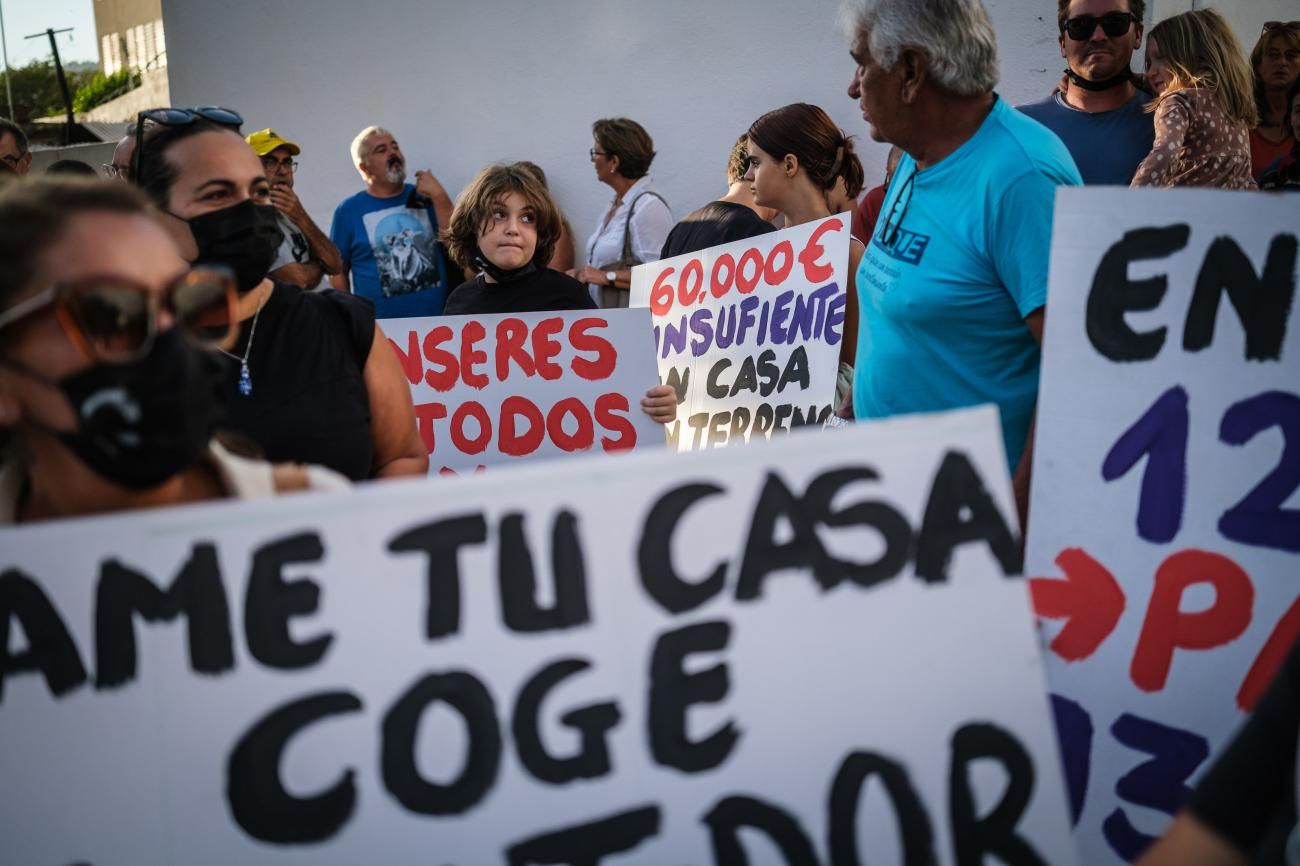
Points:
(957, 260)
(392, 252)
(1107, 146)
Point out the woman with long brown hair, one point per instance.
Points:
(1275, 60)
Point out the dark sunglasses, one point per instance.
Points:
(1270, 26)
(178, 117)
(1112, 24)
(115, 320)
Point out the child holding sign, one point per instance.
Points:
(506, 225)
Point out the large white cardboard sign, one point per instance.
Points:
(1165, 524)
(501, 389)
(805, 652)
(749, 332)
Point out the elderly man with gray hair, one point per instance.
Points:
(953, 283)
(387, 234)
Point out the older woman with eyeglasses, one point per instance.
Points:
(107, 393)
(314, 380)
(1276, 62)
(637, 223)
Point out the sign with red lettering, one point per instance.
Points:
(491, 390)
(1164, 537)
(749, 333)
(811, 652)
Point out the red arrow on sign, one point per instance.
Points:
(1089, 599)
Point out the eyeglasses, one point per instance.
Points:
(115, 320)
(121, 171)
(889, 234)
(593, 153)
(270, 163)
(178, 117)
(1112, 24)
(1270, 26)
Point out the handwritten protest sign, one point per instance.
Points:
(1165, 531)
(749, 332)
(490, 390)
(802, 653)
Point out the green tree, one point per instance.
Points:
(36, 90)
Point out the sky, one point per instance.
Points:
(22, 17)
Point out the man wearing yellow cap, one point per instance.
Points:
(307, 253)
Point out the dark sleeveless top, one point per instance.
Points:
(309, 402)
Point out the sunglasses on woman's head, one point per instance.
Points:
(1113, 24)
(179, 117)
(1270, 26)
(113, 320)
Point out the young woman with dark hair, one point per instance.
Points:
(796, 156)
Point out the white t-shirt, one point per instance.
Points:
(651, 222)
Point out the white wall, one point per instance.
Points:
(462, 84)
(1245, 16)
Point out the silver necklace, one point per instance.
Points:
(245, 379)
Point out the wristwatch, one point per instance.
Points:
(611, 277)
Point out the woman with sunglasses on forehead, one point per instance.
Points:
(1275, 60)
(109, 400)
(313, 378)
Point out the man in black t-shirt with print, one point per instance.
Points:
(733, 217)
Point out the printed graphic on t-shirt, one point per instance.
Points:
(298, 246)
(403, 243)
(907, 247)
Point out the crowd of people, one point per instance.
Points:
(164, 339)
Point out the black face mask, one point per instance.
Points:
(142, 422)
(1124, 77)
(501, 275)
(244, 237)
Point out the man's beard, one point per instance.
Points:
(396, 172)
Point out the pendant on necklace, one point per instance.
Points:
(245, 380)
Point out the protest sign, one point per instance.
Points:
(749, 333)
(491, 390)
(1164, 537)
(778, 654)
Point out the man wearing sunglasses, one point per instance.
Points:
(1099, 111)
(14, 151)
(307, 254)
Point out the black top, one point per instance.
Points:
(718, 222)
(309, 402)
(1248, 795)
(542, 291)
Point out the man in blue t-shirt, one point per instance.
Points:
(952, 286)
(1099, 112)
(388, 233)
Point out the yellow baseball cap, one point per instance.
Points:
(266, 140)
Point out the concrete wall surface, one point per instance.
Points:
(464, 84)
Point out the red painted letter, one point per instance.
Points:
(813, 272)
(608, 407)
(602, 367)
(1168, 628)
(445, 371)
(519, 444)
(511, 334)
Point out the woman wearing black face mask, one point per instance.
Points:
(312, 379)
(109, 398)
